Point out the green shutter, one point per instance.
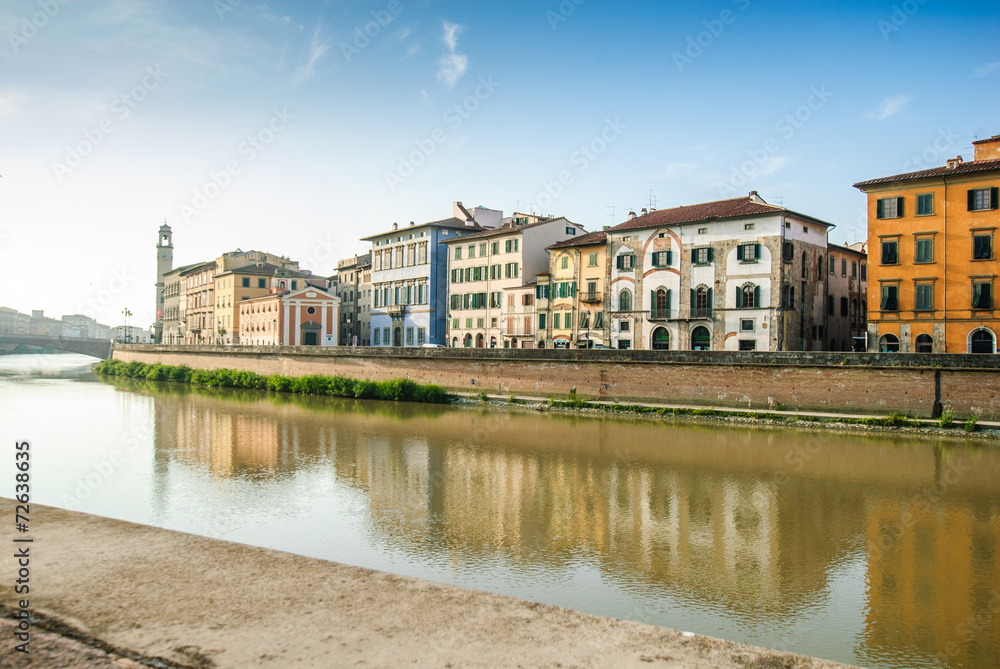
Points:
(694, 299)
(995, 197)
(756, 251)
(711, 302)
(739, 297)
(899, 207)
(739, 252)
(711, 255)
(652, 301)
(668, 300)
(880, 209)
(670, 257)
(756, 297)
(972, 199)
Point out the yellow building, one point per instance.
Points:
(246, 283)
(932, 256)
(576, 287)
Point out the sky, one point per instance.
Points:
(299, 127)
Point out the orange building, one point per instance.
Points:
(932, 256)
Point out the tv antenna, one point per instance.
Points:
(652, 200)
(612, 214)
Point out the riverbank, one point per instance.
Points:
(199, 602)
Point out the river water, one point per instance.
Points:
(874, 550)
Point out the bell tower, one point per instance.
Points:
(164, 263)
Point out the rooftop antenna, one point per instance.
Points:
(652, 200)
(612, 214)
(517, 206)
(780, 200)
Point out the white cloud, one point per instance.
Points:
(890, 106)
(452, 66)
(424, 96)
(771, 165)
(987, 69)
(674, 170)
(317, 49)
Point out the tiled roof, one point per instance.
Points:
(265, 270)
(588, 239)
(844, 249)
(736, 207)
(963, 168)
(508, 228)
(455, 223)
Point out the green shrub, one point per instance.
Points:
(970, 424)
(947, 418)
(482, 396)
(279, 383)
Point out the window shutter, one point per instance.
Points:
(670, 257)
(669, 300)
(711, 301)
(879, 209)
(756, 251)
(694, 299)
(756, 297)
(994, 197)
(618, 260)
(739, 297)
(572, 289)
(710, 255)
(652, 301)
(972, 199)
(739, 252)
(899, 207)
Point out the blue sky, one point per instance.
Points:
(299, 127)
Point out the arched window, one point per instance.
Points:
(661, 303)
(701, 339)
(748, 296)
(468, 340)
(819, 268)
(661, 339)
(805, 265)
(888, 344)
(925, 344)
(625, 300)
(454, 342)
(982, 341)
(702, 302)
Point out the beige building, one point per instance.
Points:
(245, 283)
(575, 292)
(483, 265)
(846, 310)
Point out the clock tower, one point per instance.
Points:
(164, 263)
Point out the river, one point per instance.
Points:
(870, 549)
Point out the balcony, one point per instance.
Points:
(395, 311)
(661, 314)
(592, 297)
(701, 312)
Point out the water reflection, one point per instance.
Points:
(751, 527)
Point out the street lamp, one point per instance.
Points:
(128, 334)
(274, 331)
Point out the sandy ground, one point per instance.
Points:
(133, 592)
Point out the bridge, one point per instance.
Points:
(97, 348)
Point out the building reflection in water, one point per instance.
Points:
(750, 522)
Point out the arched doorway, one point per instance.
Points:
(397, 336)
(888, 344)
(925, 344)
(454, 342)
(468, 341)
(701, 339)
(661, 339)
(541, 343)
(480, 341)
(982, 341)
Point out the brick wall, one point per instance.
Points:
(879, 383)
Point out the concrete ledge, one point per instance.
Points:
(201, 602)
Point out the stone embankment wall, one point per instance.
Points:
(916, 384)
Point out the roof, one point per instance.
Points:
(846, 249)
(944, 171)
(453, 223)
(588, 239)
(510, 227)
(266, 270)
(697, 213)
(196, 267)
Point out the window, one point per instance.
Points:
(829, 305)
(982, 295)
(889, 207)
(864, 272)
(422, 253)
(385, 336)
(246, 282)
(888, 344)
(983, 199)
(557, 321)
(376, 339)
(585, 320)
(454, 324)
(472, 251)
(541, 321)
(458, 253)
(570, 230)
(890, 298)
(925, 344)
(924, 250)
(510, 270)
(568, 320)
(805, 265)
(833, 264)
(468, 323)
(482, 250)
(748, 226)
(564, 263)
(661, 303)
(748, 296)
(625, 261)
(748, 252)
(924, 296)
(982, 246)
(701, 339)
(625, 300)
(624, 326)
(480, 322)
(788, 252)
(843, 267)
(844, 306)
(599, 319)
(663, 258)
(748, 345)
(702, 256)
(890, 252)
(854, 269)
(925, 204)
(702, 231)
(746, 324)
(409, 336)
(788, 296)
(495, 248)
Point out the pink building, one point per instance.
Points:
(306, 317)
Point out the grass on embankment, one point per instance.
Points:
(398, 390)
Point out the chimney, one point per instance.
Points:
(956, 161)
(754, 197)
(606, 228)
(987, 149)
(631, 215)
(644, 212)
(395, 226)
(411, 224)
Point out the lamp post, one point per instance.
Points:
(274, 331)
(128, 333)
